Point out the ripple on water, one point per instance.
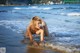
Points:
(78, 22)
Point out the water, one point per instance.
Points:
(62, 20)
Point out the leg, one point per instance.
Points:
(28, 34)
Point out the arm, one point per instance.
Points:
(29, 34)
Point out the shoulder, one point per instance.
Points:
(28, 27)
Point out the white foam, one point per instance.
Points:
(48, 8)
(16, 25)
(73, 14)
(34, 7)
(62, 13)
(65, 38)
(17, 8)
(40, 8)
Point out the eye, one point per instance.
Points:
(38, 23)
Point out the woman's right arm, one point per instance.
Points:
(30, 34)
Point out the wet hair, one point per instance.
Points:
(36, 18)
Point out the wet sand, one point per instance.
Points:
(39, 50)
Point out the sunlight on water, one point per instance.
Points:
(62, 20)
(17, 8)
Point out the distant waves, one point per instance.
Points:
(17, 26)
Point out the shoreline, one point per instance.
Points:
(34, 4)
(56, 48)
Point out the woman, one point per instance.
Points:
(37, 26)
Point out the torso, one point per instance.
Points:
(33, 30)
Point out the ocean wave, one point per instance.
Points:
(63, 48)
(33, 7)
(41, 8)
(71, 14)
(17, 26)
(45, 8)
(17, 8)
(3, 10)
(48, 8)
(71, 7)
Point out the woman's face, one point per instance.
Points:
(37, 24)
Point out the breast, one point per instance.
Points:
(33, 29)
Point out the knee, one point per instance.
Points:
(41, 30)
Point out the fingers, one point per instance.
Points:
(35, 43)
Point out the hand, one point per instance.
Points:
(35, 43)
(41, 43)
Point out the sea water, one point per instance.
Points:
(63, 23)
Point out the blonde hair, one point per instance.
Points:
(35, 18)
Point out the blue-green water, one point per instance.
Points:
(62, 20)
